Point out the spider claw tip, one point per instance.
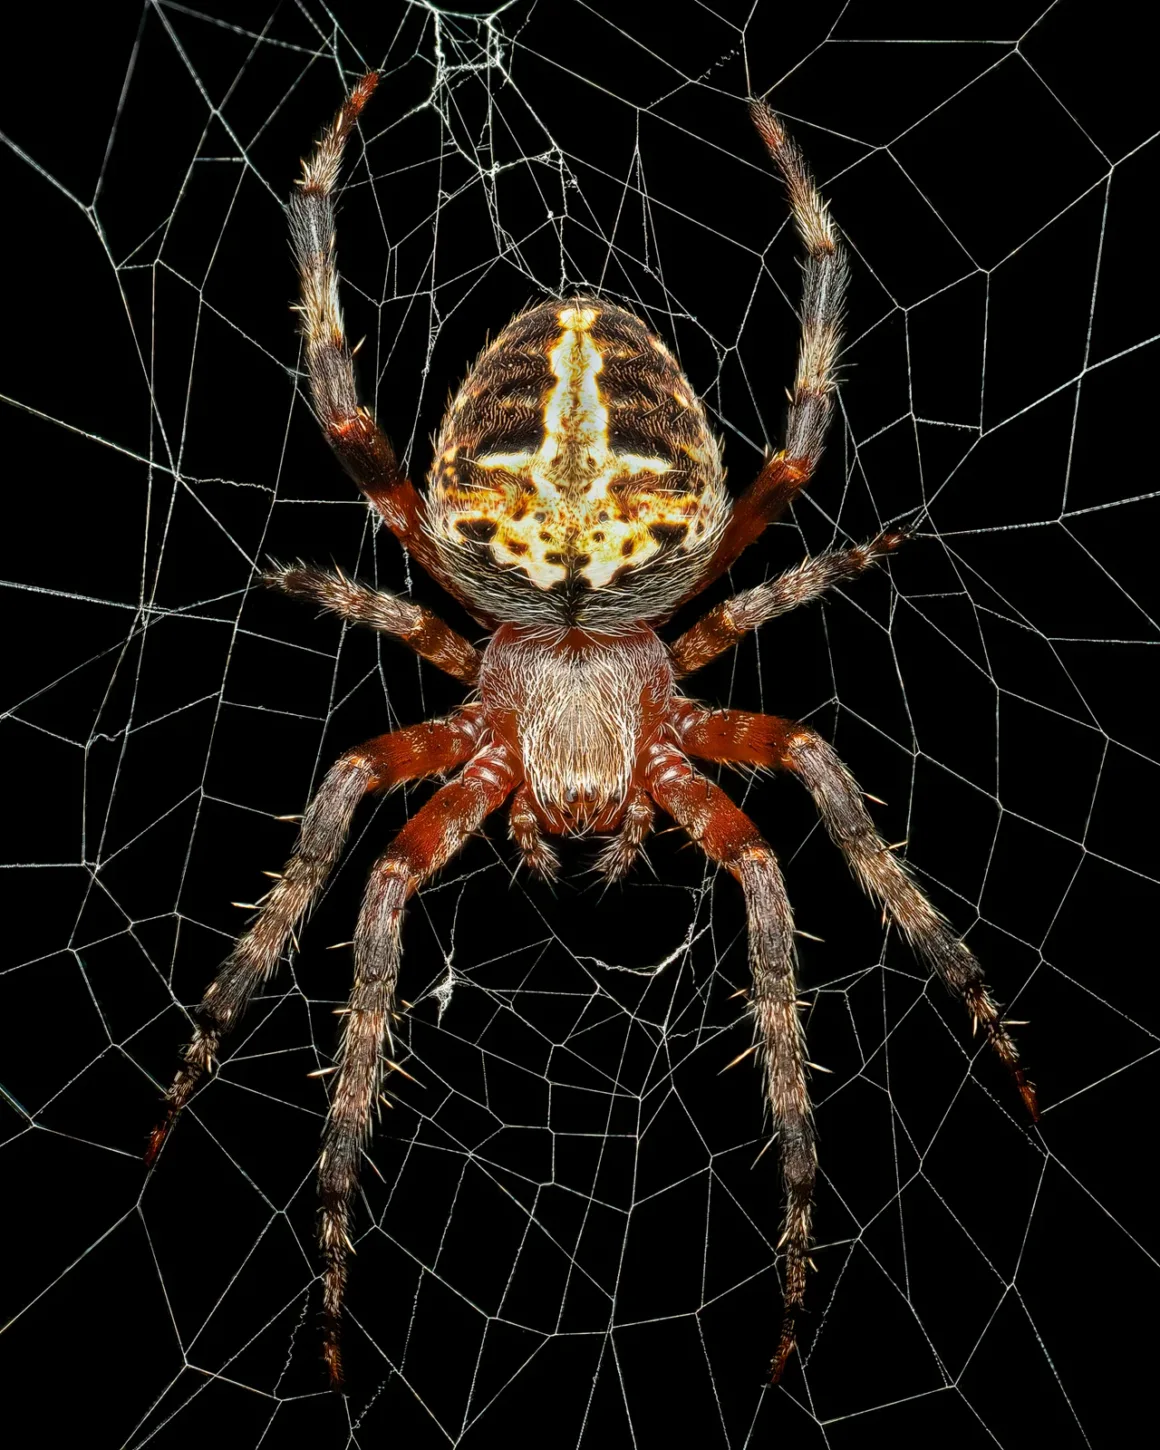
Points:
(156, 1139)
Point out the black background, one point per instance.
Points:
(977, 1280)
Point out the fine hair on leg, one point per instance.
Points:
(737, 737)
(361, 446)
(729, 837)
(417, 627)
(825, 275)
(403, 755)
(726, 623)
(884, 877)
(425, 844)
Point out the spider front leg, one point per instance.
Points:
(729, 837)
(425, 844)
(422, 750)
(735, 737)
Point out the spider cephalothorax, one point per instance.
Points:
(575, 500)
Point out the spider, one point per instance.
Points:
(576, 500)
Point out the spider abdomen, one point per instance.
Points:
(577, 709)
(576, 480)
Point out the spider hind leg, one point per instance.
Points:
(825, 275)
(360, 444)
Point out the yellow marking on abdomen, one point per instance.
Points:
(556, 505)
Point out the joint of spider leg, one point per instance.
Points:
(792, 470)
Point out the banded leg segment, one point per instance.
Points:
(734, 736)
(883, 876)
(425, 844)
(362, 447)
(729, 837)
(731, 737)
(825, 275)
(728, 622)
(423, 750)
(424, 631)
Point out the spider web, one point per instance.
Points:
(570, 1227)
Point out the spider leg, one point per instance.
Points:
(422, 750)
(824, 278)
(764, 740)
(426, 843)
(616, 859)
(424, 631)
(362, 447)
(525, 831)
(729, 837)
(726, 623)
